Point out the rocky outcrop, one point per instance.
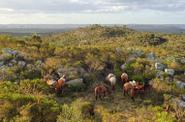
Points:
(71, 72)
(180, 84)
(159, 66)
(170, 72)
(151, 56)
(182, 60)
(78, 81)
(180, 103)
(122, 67)
(183, 97)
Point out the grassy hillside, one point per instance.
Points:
(90, 53)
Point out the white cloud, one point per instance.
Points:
(2, 10)
(93, 6)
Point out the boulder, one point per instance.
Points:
(169, 71)
(183, 97)
(160, 74)
(182, 60)
(13, 61)
(151, 56)
(74, 82)
(1, 63)
(159, 66)
(8, 51)
(22, 63)
(71, 72)
(180, 84)
(122, 67)
(10, 64)
(181, 103)
(137, 53)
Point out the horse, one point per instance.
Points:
(112, 79)
(124, 78)
(60, 84)
(101, 90)
(134, 88)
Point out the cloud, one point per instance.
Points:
(89, 6)
(6, 10)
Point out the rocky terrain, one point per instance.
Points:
(89, 54)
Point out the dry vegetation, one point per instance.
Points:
(24, 95)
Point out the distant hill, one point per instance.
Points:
(27, 29)
(171, 28)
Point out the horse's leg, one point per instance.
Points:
(132, 94)
(104, 94)
(133, 98)
(123, 91)
(113, 87)
(95, 94)
(100, 96)
(96, 97)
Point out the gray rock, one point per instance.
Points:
(71, 72)
(183, 97)
(7, 51)
(181, 103)
(159, 66)
(182, 60)
(13, 61)
(21, 63)
(180, 84)
(169, 71)
(78, 81)
(137, 53)
(151, 56)
(10, 65)
(122, 67)
(1, 63)
(159, 74)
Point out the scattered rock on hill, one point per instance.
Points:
(181, 103)
(160, 75)
(180, 84)
(137, 53)
(78, 81)
(9, 52)
(71, 72)
(1, 63)
(170, 71)
(159, 66)
(122, 67)
(151, 56)
(182, 60)
(22, 63)
(183, 97)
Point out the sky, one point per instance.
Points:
(92, 11)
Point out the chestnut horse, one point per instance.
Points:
(133, 89)
(124, 78)
(60, 84)
(101, 90)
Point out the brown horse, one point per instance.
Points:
(133, 89)
(101, 90)
(60, 84)
(124, 78)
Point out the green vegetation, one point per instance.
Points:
(89, 53)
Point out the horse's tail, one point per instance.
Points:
(96, 92)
